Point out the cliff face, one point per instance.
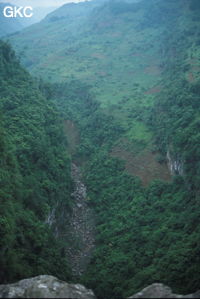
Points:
(175, 164)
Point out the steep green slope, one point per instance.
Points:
(116, 49)
(176, 110)
(112, 47)
(143, 235)
(147, 234)
(34, 176)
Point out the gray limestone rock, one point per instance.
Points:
(159, 290)
(45, 286)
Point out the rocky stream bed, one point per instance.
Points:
(81, 232)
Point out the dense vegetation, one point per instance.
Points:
(146, 92)
(176, 115)
(140, 231)
(34, 175)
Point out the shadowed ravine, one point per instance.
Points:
(81, 227)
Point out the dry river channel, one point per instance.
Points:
(82, 226)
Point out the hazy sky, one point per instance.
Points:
(36, 3)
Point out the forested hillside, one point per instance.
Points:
(126, 76)
(140, 231)
(175, 115)
(34, 175)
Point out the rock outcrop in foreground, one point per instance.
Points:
(45, 286)
(159, 290)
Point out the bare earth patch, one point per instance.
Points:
(191, 78)
(143, 165)
(98, 55)
(72, 134)
(153, 69)
(154, 90)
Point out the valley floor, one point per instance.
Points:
(81, 227)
